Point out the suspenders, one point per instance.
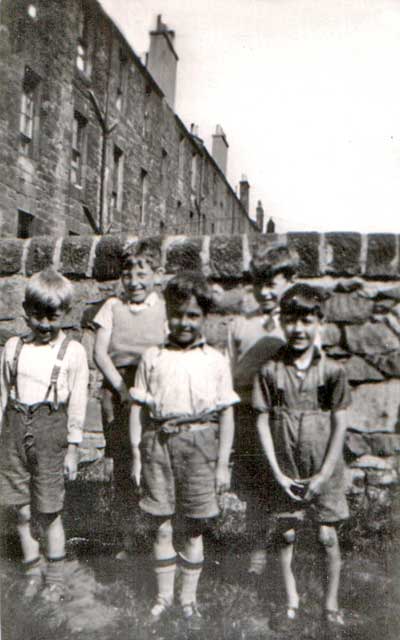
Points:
(13, 370)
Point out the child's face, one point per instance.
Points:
(185, 322)
(138, 280)
(269, 292)
(301, 331)
(44, 322)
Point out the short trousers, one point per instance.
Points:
(33, 446)
(179, 472)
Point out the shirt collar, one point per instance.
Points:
(170, 344)
(29, 339)
(150, 301)
(289, 355)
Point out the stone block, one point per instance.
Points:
(11, 297)
(107, 263)
(392, 293)
(345, 251)
(184, 254)
(349, 308)
(358, 370)
(357, 444)
(10, 256)
(378, 478)
(75, 255)
(372, 462)
(380, 498)
(354, 481)
(330, 334)
(348, 286)
(40, 254)
(375, 407)
(307, 245)
(371, 338)
(226, 257)
(384, 444)
(389, 364)
(382, 259)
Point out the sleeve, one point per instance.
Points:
(5, 376)
(78, 382)
(104, 316)
(340, 395)
(226, 396)
(262, 392)
(142, 373)
(231, 347)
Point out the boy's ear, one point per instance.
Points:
(159, 274)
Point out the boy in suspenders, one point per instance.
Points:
(43, 383)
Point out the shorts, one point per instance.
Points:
(33, 446)
(179, 472)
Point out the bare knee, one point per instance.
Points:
(22, 514)
(289, 536)
(164, 532)
(327, 537)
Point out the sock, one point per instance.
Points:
(55, 571)
(258, 561)
(190, 579)
(165, 575)
(33, 567)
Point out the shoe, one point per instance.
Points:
(53, 593)
(284, 618)
(33, 585)
(123, 555)
(159, 608)
(192, 616)
(334, 618)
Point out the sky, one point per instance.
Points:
(307, 92)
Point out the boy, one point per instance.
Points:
(127, 325)
(301, 398)
(186, 394)
(252, 340)
(44, 380)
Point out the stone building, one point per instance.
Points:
(89, 141)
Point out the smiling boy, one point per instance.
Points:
(186, 394)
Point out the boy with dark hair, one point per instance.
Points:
(185, 391)
(301, 399)
(127, 325)
(44, 380)
(252, 339)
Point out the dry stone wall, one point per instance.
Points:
(362, 328)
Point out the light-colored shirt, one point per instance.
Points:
(185, 382)
(35, 365)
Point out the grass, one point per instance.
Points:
(109, 599)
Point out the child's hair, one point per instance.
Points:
(267, 262)
(147, 250)
(302, 300)
(49, 289)
(185, 285)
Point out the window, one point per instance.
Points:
(25, 224)
(82, 45)
(122, 75)
(181, 159)
(193, 172)
(144, 195)
(29, 115)
(215, 189)
(146, 111)
(117, 180)
(164, 168)
(78, 149)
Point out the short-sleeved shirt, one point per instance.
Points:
(299, 405)
(185, 382)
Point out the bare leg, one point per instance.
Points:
(286, 557)
(55, 538)
(329, 540)
(164, 567)
(30, 546)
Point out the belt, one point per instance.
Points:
(177, 424)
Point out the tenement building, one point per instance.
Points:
(89, 139)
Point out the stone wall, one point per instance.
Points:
(362, 326)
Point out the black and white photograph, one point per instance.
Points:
(199, 320)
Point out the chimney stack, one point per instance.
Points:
(244, 193)
(270, 226)
(220, 148)
(162, 60)
(260, 216)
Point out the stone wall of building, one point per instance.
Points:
(362, 325)
(103, 150)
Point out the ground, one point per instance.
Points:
(108, 599)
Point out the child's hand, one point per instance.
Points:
(138, 396)
(313, 486)
(71, 462)
(222, 478)
(293, 488)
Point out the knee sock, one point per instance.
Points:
(165, 576)
(33, 568)
(55, 571)
(191, 572)
(258, 561)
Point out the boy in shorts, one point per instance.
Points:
(183, 392)
(44, 381)
(126, 326)
(252, 339)
(301, 399)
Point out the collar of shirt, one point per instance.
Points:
(170, 344)
(29, 339)
(289, 356)
(150, 301)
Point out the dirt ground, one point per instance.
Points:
(107, 599)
